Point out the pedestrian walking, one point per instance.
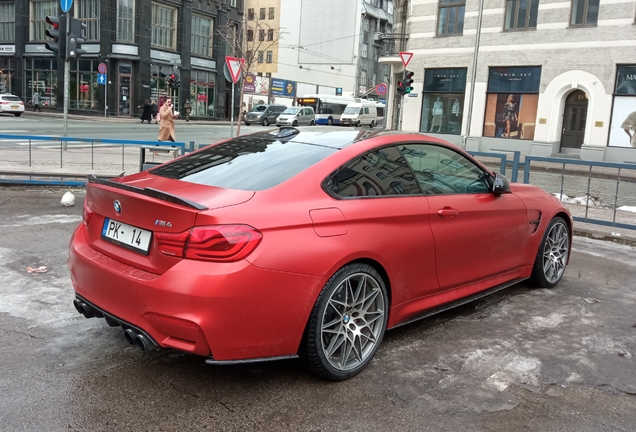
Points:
(36, 102)
(166, 128)
(154, 109)
(145, 115)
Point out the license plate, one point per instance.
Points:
(15, 106)
(126, 235)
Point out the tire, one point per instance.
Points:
(311, 123)
(552, 256)
(247, 124)
(358, 123)
(17, 114)
(330, 121)
(295, 123)
(372, 124)
(347, 323)
(265, 122)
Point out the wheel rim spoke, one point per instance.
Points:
(555, 252)
(352, 322)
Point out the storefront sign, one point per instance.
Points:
(125, 49)
(248, 84)
(626, 80)
(445, 80)
(7, 49)
(201, 63)
(283, 88)
(514, 79)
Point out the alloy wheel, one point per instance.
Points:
(555, 252)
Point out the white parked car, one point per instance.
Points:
(11, 104)
(297, 116)
(359, 114)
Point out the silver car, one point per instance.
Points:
(297, 116)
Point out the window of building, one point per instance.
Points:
(233, 3)
(270, 34)
(261, 35)
(164, 26)
(451, 17)
(261, 15)
(202, 31)
(250, 35)
(584, 12)
(512, 100)
(443, 101)
(271, 13)
(261, 54)
(268, 74)
(88, 12)
(250, 14)
(202, 86)
(363, 77)
(7, 74)
(41, 77)
(365, 50)
(366, 23)
(126, 21)
(249, 56)
(7, 22)
(83, 85)
(40, 9)
(270, 55)
(521, 14)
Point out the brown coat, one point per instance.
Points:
(166, 126)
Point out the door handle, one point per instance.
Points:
(447, 212)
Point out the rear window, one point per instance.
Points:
(11, 98)
(252, 163)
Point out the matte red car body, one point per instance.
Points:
(258, 307)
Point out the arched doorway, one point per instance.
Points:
(574, 121)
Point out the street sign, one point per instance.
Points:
(406, 57)
(101, 78)
(101, 68)
(380, 89)
(66, 5)
(234, 65)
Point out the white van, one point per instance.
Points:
(360, 113)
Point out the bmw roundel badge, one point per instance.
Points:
(117, 206)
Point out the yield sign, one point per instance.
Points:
(234, 65)
(406, 58)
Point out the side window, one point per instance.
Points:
(440, 170)
(379, 173)
(366, 110)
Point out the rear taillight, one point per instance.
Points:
(224, 243)
(87, 213)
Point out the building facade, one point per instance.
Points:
(323, 47)
(141, 42)
(551, 77)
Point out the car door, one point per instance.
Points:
(478, 235)
(302, 117)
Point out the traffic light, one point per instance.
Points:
(171, 81)
(75, 39)
(408, 81)
(400, 87)
(58, 34)
(177, 81)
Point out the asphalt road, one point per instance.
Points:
(523, 359)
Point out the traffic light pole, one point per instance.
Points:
(67, 79)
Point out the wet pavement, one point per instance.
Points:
(557, 359)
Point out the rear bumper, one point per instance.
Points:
(232, 311)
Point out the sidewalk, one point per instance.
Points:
(116, 119)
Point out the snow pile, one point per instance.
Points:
(584, 200)
(628, 208)
(68, 200)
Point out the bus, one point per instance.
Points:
(326, 107)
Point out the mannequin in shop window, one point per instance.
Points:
(510, 113)
(629, 126)
(438, 113)
(456, 108)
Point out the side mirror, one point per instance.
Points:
(500, 185)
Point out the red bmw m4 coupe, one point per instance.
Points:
(306, 243)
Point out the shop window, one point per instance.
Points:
(41, 77)
(201, 41)
(511, 102)
(164, 26)
(7, 22)
(40, 9)
(521, 14)
(126, 21)
(443, 101)
(623, 122)
(584, 12)
(271, 13)
(202, 87)
(7, 73)
(450, 20)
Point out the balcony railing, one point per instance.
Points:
(391, 44)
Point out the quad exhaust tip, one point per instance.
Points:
(139, 340)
